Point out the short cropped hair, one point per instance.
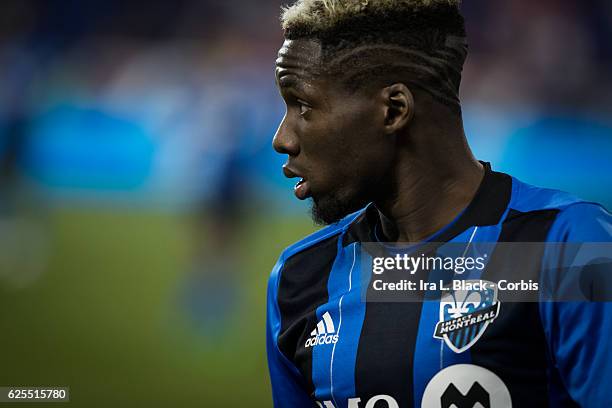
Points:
(419, 42)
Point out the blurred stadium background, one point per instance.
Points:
(141, 204)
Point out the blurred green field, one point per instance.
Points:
(105, 318)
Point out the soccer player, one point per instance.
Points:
(373, 131)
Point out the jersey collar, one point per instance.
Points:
(486, 208)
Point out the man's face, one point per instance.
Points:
(334, 138)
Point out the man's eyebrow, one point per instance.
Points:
(290, 81)
(287, 81)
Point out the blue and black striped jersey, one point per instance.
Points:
(328, 346)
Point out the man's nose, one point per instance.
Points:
(285, 141)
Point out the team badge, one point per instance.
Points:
(465, 314)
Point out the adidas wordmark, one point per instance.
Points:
(324, 333)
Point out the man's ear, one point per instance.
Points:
(399, 107)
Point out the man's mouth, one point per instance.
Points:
(302, 188)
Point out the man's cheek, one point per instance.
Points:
(343, 180)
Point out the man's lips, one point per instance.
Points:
(302, 188)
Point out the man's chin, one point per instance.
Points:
(329, 210)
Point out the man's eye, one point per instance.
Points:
(304, 108)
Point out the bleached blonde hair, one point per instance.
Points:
(320, 15)
(376, 42)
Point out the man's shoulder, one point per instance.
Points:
(529, 198)
(574, 218)
(302, 262)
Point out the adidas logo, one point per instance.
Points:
(324, 333)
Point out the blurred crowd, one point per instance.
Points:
(549, 53)
(116, 96)
(176, 100)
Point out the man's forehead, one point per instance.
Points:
(300, 54)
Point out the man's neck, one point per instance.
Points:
(429, 190)
(428, 207)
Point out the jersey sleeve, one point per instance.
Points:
(287, 384)
(579, 332)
